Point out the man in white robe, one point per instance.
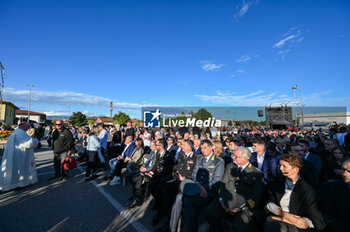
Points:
(18, 163)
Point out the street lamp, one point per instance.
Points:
(294, 87)
(30, 96)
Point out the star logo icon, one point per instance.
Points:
(156, 115)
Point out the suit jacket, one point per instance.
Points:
(129, 151)
(347, 142)
(269, 166)
(173, 150)
(309, 174)
(197, 151)
(240, 189)
(208, 174)
(163, 166)
(135, 158)
(303, 200)
(316, 161)
(335, 206)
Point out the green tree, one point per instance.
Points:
(181, 116)
(78, 119)
(202, 114)
(230, 123)
(91, 121)
(121, 118)
(53, 121)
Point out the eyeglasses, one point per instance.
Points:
(58, 124)
(345, 170)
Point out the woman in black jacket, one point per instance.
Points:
(292, 201)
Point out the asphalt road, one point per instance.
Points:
(72, 205)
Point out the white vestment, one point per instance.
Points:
(18, 163)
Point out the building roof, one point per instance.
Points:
(25, 112)
(10, 103)
(105, 119)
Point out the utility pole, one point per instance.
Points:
(2, 73)
(30, 96)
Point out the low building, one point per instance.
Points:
(107, 121)
(331, 118)
(8, 112)
(33, 116)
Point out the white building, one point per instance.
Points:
(34, 116)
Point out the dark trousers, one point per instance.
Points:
(92, 163)
(191, 209)
(118, 168)
(278, 226)
(166, 198)
(139, 186)
(219, 220)
(57, 159)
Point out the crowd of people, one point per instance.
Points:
(235, 179)
(227, 179)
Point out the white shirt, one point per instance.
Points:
(243, 167)
(285, 200)
(146, 139)
(260, 160)
(126, 147)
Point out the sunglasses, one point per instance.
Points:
(58, 124)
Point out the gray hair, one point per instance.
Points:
(245, 152)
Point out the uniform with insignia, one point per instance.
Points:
(240, 190)
(208, 173)
(168, 191)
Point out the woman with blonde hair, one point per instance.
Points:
(217, 148)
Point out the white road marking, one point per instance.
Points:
(119, 207)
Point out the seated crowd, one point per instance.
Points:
(251, 180)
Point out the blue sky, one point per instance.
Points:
(82, 54)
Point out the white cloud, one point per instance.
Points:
(288, 41)
(260, 98)
(283, 41)
(243, 59)
(242, 9)
(233, 75)
(208, 65)
(239, 71)
(62, 98)
(252, 99)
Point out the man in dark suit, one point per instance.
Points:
(197, 148)
(335, 202)
(263, 161)
(308, 171)
(207, 172)
(237, 206)
(315, 160)
(161, 172)
(171, 146)
(169, 190)
(118, 163)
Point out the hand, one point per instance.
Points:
(126, 159)
(181, 178)
(227, 210)
(149, 174)
(119, 157)
(203, 192)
